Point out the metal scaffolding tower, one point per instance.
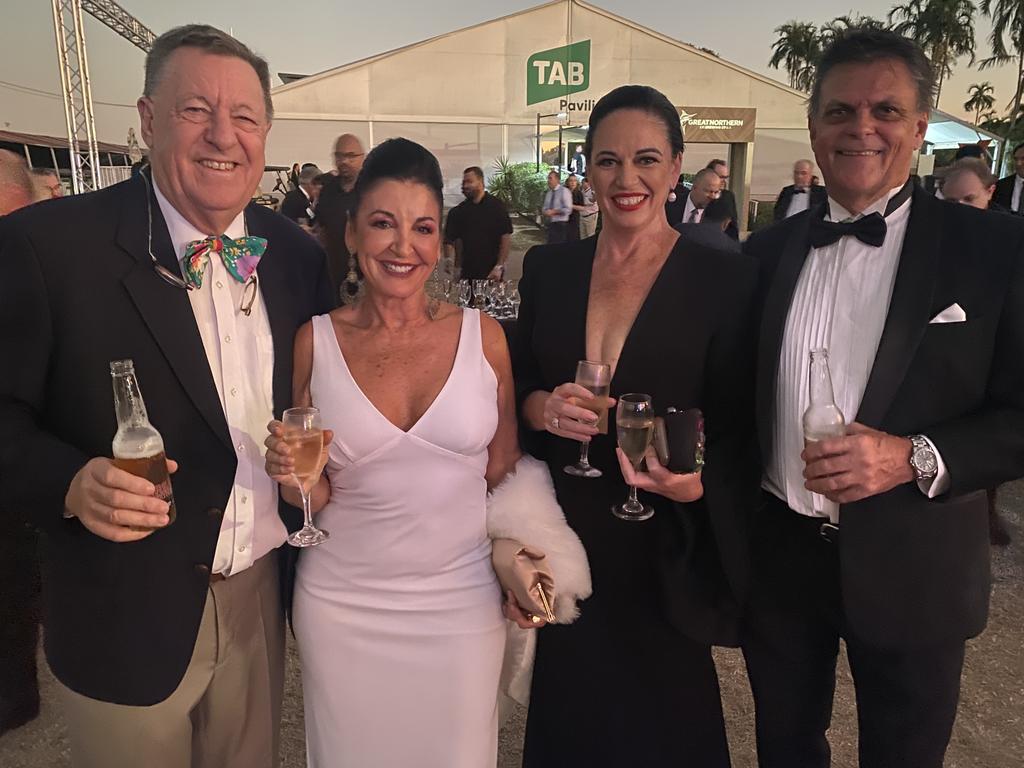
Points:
(74, 76)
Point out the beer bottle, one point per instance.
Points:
(138, 448)
(822, 419)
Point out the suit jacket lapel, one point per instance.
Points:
(279, 301)
(773, 322)
(166, 309)
(909, 308)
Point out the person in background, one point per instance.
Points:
(802, 194)
(721, 167)
(299, 205)
(47, 183)
(293, 176)
(19, 560)
(1008, 189)
(588, 211)
(711, 231)
(556, 209)
(332, 214)
(578, 162)
(572, 183)
(688, 207)
(971, 182)
(478, 231)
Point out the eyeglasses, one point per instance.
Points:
(252, 285)
(347, 155)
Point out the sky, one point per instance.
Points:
(313, 35)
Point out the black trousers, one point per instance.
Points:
(19, 621)
(558, 231)
(906, 698)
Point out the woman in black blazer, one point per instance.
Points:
(632, 682)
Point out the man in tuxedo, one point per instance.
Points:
(167, 639)
(879, 537)
(1008, 190)
(802, 194)
(300, 204)
(722, 169)
(711, 231)
(688, 206)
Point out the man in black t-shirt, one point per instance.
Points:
(479, 229)
(336, 198)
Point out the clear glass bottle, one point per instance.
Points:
(822, 419)
(137, 447)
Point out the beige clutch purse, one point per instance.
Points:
(523, 570)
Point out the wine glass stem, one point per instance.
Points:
(633, 500)
(306, 511)
(585, 453)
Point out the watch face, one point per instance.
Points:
(924, 461)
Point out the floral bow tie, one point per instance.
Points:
(240, 257)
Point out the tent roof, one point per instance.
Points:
(38, 140)
(946, 131)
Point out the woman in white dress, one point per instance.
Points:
(398, 616)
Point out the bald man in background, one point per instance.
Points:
(336, 198)
(19, 565)
(802, 194)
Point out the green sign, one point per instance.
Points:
(557, 73)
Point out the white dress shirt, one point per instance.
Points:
(240, 351)
(840, 304)
(799, 202)
(1018, 182)
(688, 211)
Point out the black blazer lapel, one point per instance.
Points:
(281, 312)
(909, 309)
(782, 204)
(166, 309)
(773, 321)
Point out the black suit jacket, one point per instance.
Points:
(1004, 192)
(295, 206)
(818, 197)
(674, 210)
(79, 291)
(915, 571)
(691, 345)
(710, 235)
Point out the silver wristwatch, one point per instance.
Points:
(922, 459)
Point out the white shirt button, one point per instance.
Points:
(242, 548)
(245, 499)
(241, 448)
(220, 284)
(227, 339)
(234, 391)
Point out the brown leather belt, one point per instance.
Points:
(217, 577)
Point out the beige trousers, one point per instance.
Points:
(225, 713)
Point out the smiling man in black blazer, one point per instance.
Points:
(167, 640)
(879, 537)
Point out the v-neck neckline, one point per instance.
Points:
(639, 313)
(459, 351)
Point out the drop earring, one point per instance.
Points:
(672, 196)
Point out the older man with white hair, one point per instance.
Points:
(802, 194)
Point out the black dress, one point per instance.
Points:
(632, 682)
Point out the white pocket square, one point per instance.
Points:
(954, 313)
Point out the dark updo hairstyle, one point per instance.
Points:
(399, 160)
(643, 98)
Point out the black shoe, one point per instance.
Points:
(998, 534)
(16, 713)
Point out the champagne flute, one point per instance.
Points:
(465, 293)
(513, 297)
(597, 377)
(634, 423)
(303, 433)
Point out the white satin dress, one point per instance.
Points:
(398, 615)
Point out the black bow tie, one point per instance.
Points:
(869, 229)
(799, 191)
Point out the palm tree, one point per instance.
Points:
(798, 49)
(831, 31)
(981, 99)
(943, 28)
(1007, 24)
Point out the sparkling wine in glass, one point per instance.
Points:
(305, 436)
(596, 377)
(634, 424)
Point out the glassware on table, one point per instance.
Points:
(465, 293)
(499, 305)
(596, 377)
(479, 294)
(513, 297)
(305, 436)
(634, 424)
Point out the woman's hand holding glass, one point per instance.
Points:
(657, 479)
(563, 417)
(280, 462)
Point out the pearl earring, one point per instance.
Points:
(672, 196)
